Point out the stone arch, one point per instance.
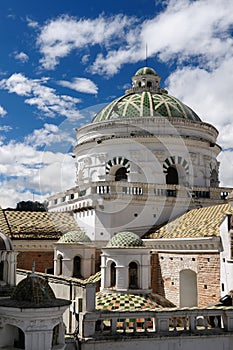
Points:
(133, 275)
(116, 163)
(188, 288)
(177, 169)
(111, 274)
(15, 336)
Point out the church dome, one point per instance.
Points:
(5, 243)
(75, 236)
(146, 99)
(33, 289)
(125, 239)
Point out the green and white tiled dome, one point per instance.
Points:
(125, 239)
(75, 236)
(146, 99)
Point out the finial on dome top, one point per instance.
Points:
(33, 267)
(146, 57)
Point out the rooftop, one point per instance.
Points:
(35, 225)
(201, 222)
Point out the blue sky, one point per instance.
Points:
(61, 60)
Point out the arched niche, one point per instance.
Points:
(188, 288)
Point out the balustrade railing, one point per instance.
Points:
(162, 322)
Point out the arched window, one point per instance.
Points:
(113, 275)
(149, 84)
(77, 267)
(121, 174)
(133, 275)
(60, 263)
(172, 176)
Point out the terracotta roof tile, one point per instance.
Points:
(202, 222)
(32, 225)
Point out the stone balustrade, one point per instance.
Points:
(164, 322)
(141, 191)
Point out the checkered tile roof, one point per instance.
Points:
(35, 225)
(202, 222)
(124, 302)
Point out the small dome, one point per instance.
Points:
(125, 239)
(33, 289)
(75, 236)
(146, 70)
(5, 243)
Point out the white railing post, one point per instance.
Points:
(227, 318)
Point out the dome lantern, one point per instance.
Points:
(146, 79)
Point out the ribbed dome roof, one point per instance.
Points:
(75, 236)
(146, 99)
(5, 243)
(33, 289)
(125, 239)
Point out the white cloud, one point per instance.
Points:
(3, 112)
(25, 171)
(226, 168)
(64, 34)
(186, 31)
(209, 93)
(42, 97)
(81, 85)
(31, 23)
(5, 128)
(22, 57)
(47, 136)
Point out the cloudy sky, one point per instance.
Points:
(61, 60)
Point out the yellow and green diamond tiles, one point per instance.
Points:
(23, 224)
(202, 222)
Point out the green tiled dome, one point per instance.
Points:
(33, 289)
(146, 99)
(125, 239)
(146, 104)
(75, 236)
